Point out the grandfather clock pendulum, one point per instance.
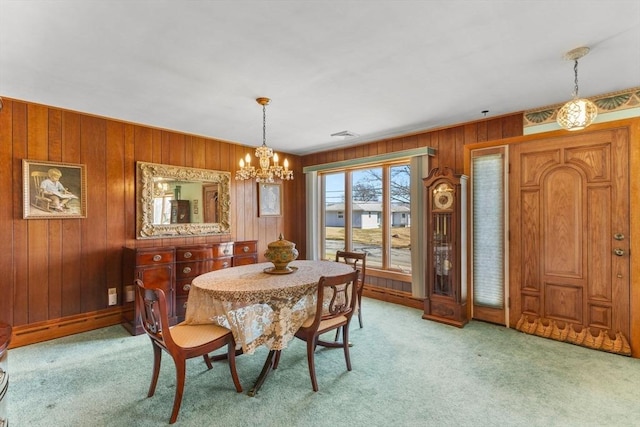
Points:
(446, 229)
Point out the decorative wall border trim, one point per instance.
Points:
(607, 103)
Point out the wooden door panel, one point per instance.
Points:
(572, 199)
(562, 233)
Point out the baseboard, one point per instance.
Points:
(64, 326)
(393, 296)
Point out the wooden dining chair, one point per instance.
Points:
(358, 260)
(336, 303)
(182, 341)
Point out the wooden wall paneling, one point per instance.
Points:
(494, 129)
(482, 133)
(174, 149)
(55, 227)
(71, 239)
(38, 237)
(397, 144)
(470, 133)
(226, 162)
(55, 134)
(6, 212)
(459, 149)
(198, 159)
(115, 204)
(159, 156)
(188, 150)
(143, 142)
(512, 125)
(94, 226)
(129, 184)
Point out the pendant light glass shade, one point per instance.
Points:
(579, 112)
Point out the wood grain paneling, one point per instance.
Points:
(63, 268)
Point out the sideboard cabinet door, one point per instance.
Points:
(156, 268)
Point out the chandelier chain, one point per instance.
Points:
(264, 122)
(575, 72)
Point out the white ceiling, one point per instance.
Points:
(376, 68)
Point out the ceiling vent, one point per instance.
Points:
(344, 134)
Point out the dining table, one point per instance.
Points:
(260, 305)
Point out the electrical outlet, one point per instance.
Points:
(113, 296)
(129, 296)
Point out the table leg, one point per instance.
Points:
(266, 368)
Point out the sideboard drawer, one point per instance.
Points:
(221, 263)
(195, 253)
(150, 257)
(223, 250)
(245, 248)
(192, 269)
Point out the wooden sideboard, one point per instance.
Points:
(5, 338)
(172, 268)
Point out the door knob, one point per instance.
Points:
(618, 252)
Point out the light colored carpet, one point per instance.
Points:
(406, 372)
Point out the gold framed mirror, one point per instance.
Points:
(177, 201)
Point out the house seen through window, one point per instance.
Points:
(368, 210)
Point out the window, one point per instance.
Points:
(488, 229)
(368, 209)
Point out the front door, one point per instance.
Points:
(569, 258)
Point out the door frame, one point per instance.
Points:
(633, 127)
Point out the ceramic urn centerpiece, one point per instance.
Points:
(281, 253)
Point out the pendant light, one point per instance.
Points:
(579, 112)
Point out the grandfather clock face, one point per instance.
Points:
(443, 197)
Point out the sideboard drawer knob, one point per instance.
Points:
(186, 270)
(246, 249)
(188, 255)
(184, 305)
(225, 264)
(157, 258)
(187, 287)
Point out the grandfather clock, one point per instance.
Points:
(446, 229)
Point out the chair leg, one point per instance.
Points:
(345, 346)
(207, 360)
(311, 345)
(231, 356)
(360, 309)
(337, 335)
(181, 368)
(157, 359)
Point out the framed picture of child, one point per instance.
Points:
(53, 190)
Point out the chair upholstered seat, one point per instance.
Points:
(188, 336)
(325, 325)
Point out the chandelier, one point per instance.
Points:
(266, 172)
(579, 112)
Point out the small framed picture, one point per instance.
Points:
(269, 199)
(53, 190)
